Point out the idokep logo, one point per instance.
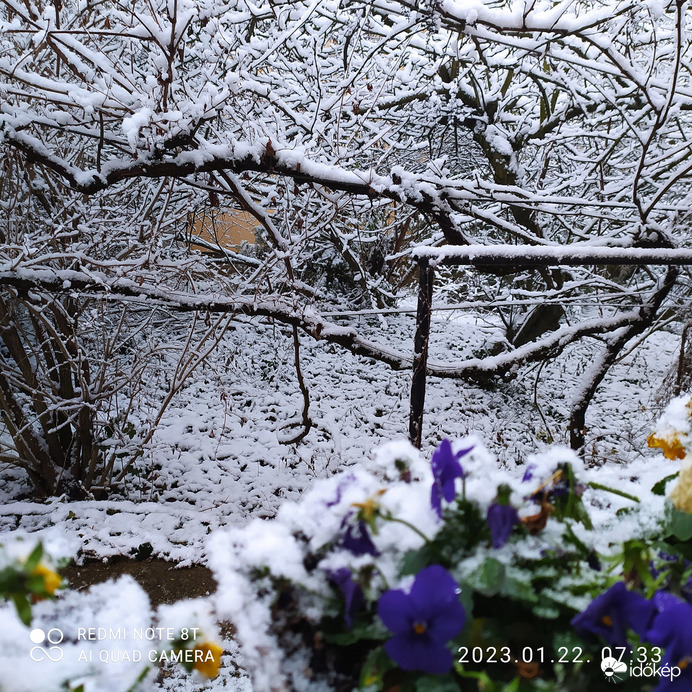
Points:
(49, 649)
(613, 669)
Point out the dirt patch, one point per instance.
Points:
(163, 581)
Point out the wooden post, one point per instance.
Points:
(426, 279)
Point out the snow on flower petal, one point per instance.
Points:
(672, 433)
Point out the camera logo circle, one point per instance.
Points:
(50, 650)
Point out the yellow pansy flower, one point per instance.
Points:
(369, 509)
(672, 446)
(51, 579)
(208, 664)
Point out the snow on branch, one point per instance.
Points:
(305, 318)
(532, 255)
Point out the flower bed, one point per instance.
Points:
(404, 575)
(456, 575)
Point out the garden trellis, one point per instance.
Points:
(510, 256)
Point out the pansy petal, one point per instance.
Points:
(446, 469)
(394, 609)
(638, 613)
(613, 612)
(449, 489)
(671, 628)
(412, 652)
(501, 520)
(352, 593)
(462, 453)
(682, 683)
(445, 464)
(357, 540)
(423, 620)
(448, 623)
(433, 584)
(528, 473)
(441, 456)
(436, 499)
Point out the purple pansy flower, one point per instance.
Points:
(343, 483)
(682, 683)
(358, 541)
(446, 469)
(352, 592)
(528, 473)
(423, 621)
(614, 612)
(671, 628)
(501, 520)
(501, 516)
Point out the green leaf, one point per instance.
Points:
(376, 665)
(436, 683)
(139, 680)
(571, 537)
(677, 523)
(35, 583)
(637, 559)
(484, 681)
(466, 599)
(10, 581)
(546, 609)
(464, 527)
(621, 493)
(569, 505)
(360, 630)
(660, 487)
(519, 589)
(581, 515)
(23, 607)
(416, 560)
(489, 579)
(34, 558)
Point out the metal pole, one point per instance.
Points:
(426, 278)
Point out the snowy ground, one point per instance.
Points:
(217, 460)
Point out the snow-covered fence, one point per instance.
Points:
(518, 257)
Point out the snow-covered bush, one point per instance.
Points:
(343, 136)
(456, 575)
